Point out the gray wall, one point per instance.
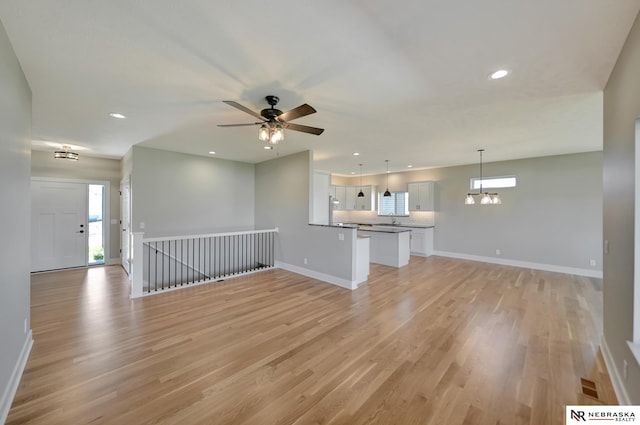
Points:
(553, 217)
(283, 187)
(86, 168)
(15, 216)
(181, 194)
(621, 109)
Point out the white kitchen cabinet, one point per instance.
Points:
(420, 196)
(319, 214)
(422, 241)
(347, 197)
(366, 203)
(350, 197)
(341, 197)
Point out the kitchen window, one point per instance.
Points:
(493, 182)
(395, 205)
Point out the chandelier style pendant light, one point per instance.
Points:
(361, 193)
(386, 192)
(65, 153)
(486, 198)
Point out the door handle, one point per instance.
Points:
(81, 231)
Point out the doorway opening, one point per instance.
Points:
(96, 224)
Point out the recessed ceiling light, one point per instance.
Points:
(409, 166)
(117, 115)
(212, 153)
(356, 153)
(268, 148)
(501, 73)
(353, 172)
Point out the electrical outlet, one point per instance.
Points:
(142, 225)
(305, 261)
(498, 252)
(25, 325)
(592, 263)
(625, 370)
(340, 236)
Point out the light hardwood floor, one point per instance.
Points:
(441, 341)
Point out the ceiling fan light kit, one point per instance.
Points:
(486, 198)
(274, 121)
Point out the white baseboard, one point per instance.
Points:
(14, 381)
(616, 379)
(113, 261)
(525, 264)
(344, 283)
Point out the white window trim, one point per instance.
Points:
(380, 195)
(473, 180)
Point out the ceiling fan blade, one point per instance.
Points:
(239, 125)
(298, 112)
(243, 108)
(303, 128)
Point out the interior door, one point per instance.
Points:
(125, 220)
(58, 225)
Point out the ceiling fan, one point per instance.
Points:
(274, 120)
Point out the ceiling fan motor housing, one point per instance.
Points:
(272, 113)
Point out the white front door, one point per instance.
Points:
(58, 225)
(125, 237)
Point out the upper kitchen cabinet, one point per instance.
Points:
(421, 196)
(366, 203)
(347, 197)
(350, 197)
(340, 195)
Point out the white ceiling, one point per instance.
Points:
(405, 81)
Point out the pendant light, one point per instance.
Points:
(386, 192)
(361, 193)
(486, 198)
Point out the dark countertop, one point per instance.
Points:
(372, 227)
(414, 226)
(368, 228)
(345, 226)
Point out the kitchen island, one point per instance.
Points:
(389, 246)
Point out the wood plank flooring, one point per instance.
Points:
(441, 341)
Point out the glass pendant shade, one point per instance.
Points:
(263, 133)
(469, 200)
(277, 134)
(495, 199)
(485, 199)
(387, 193)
